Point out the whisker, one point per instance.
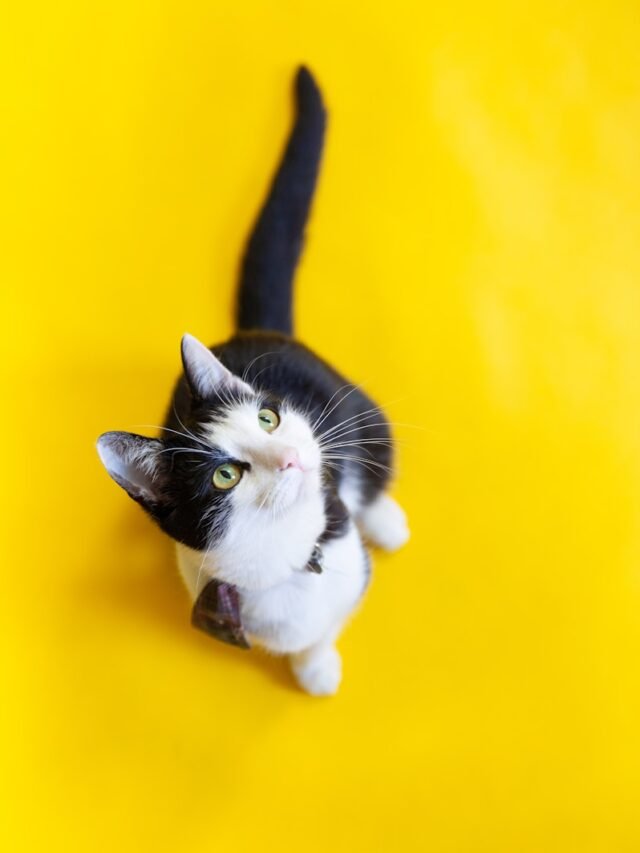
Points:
(379, 425)
(353, 428)
(166, 429)
(259, 373)
(339, 403)
(206, 554)
(360, 459)
(357, 445)
(369, 413)
(364, 449)
(185, 450)
(359, 427)
(245, 372)
(356, 442)
(264, 500)
(315, 423)
(194, 437)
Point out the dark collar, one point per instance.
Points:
(216, 611)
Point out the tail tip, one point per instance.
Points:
(307, 89)
(304, 75)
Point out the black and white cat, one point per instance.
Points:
(269, 457)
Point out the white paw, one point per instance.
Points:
(384, 524)
(319, 674)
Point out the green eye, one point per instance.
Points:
(268, 420)
(226, 476)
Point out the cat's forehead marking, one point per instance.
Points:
(239, 434)
(231, 431)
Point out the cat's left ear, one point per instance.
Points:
(207, 376)
(138, 465)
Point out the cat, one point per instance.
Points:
(272, 469)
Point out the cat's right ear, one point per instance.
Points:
(138, 465)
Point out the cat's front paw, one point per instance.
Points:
(383, 523)
(320, 673)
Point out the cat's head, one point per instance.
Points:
(239, 462)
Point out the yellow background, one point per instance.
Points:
(474, 258)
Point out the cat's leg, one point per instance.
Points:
(383, 523)
(318, 669)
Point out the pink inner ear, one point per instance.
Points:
(132, 461)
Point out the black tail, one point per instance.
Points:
(270, 259)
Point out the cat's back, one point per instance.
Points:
(280, 365)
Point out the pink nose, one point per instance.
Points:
(289, 459)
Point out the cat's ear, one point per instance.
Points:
(137, 464)
(206, 375)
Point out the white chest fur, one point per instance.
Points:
(302, 608)
(306, 608)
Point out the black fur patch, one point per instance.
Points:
(196, 513)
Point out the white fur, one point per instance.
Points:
(383, 523)
(300, 615)
(318, 669)
(277, 516)
(351, 490)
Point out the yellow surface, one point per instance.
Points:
(475, 259)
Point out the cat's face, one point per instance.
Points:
(271, 457)
(241, 461)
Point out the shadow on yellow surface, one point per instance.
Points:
(136, 581)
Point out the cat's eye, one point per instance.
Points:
(268, 419)
(226, 476)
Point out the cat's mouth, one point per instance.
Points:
(292, 485)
